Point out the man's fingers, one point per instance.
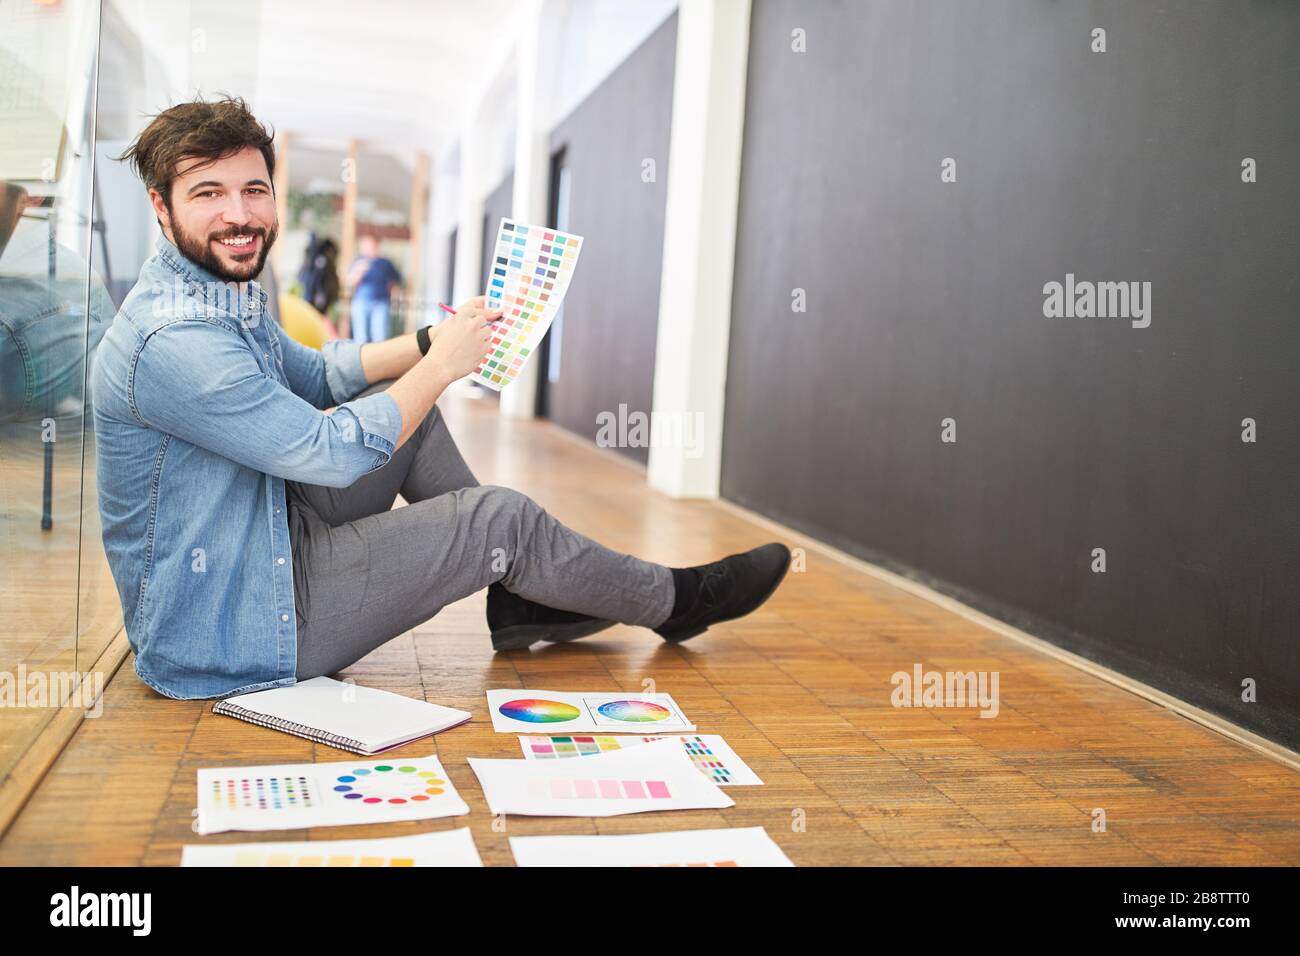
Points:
(476, 308)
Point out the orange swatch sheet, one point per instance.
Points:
(529, 274)
(747, 846)
(440, 848)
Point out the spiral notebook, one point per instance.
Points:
(344, 715)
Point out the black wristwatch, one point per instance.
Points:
(422, 339)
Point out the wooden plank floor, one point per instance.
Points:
(801, 689)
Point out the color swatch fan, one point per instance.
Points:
(530, 272)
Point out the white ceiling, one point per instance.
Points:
(404, 73)
(398, 75)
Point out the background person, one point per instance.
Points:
(371, 279)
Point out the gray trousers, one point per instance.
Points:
(364, 573)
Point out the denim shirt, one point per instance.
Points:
(203, 410)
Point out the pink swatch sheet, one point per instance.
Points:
(654, 776)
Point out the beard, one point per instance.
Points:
(199, 251)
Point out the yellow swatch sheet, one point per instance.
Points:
(443, 848)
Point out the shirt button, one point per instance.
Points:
(277, 510)
(284, 617)
(279, 560)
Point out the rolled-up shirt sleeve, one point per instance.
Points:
(201, 383)
(343, 371)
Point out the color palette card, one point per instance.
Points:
(747, 846)
(444, 848)
(527, 279)
(289, 796)
(709, 752)
(655, 776)
(528, 711)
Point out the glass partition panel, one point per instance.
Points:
(52, 311)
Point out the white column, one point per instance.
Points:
(444, 207)
(699, 245)
(429, 291)
(467, 282)
(532, 175)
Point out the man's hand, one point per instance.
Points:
(463, 339)
(456, 346)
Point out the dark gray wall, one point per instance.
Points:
(925, 301)
(611, 312)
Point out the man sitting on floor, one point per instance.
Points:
(246, 481)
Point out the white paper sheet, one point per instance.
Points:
(711, 755)
(747, 846)
(443, 848)
(290, 796)
(654, 776)
(563, 712)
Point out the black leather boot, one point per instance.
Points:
(517, 623)
(729, 589)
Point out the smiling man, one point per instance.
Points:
(246, 482)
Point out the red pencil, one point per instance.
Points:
(450, 311)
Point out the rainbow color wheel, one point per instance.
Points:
(634, 711)
(535, 711)
(389, 783)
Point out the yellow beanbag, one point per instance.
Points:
(303, 323)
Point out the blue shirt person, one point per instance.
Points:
(372, 278)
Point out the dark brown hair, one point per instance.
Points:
(197, 130)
